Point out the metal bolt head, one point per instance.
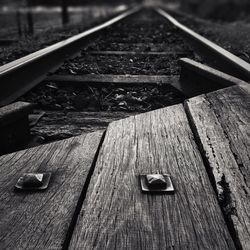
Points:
(33, 181)
(156, 181)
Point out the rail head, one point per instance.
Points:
(240, 65)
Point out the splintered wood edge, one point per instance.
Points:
(216, 147)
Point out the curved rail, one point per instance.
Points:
(217, 56)
(21, 75)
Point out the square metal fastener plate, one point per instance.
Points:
(33, 181)
(156, 183)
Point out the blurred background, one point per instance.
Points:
(29, 17)
(21, 19)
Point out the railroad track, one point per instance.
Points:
(126, 65)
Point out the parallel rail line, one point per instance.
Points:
(190, 117)
(21, 75)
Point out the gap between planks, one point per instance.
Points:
(82, 196)
(116, 215)
(41, 220)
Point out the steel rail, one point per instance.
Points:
(216, 55)
(21, 75)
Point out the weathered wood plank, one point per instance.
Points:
(41, 220)
(136, 46)
(57, 125)
(120, 80)
(155, 53)
(221, 121)
(117, 215)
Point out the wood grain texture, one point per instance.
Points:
(119, 80)
(41, 220)
(129, 52)
(117, 215)
(60, 125)
(221, 121)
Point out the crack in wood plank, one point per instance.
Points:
(221, 123)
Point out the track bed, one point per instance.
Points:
(141, 45)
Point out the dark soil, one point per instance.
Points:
(111, 98)
(147, 28)
(222, 11)
(145, 32)
(122, 64)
